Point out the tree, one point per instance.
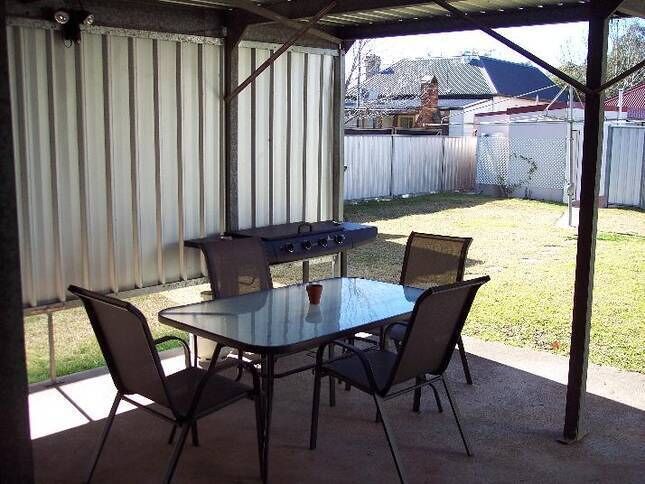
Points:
(358, 52)
(626, 48)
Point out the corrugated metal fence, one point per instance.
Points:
(118, 152)
(117, 149)
(391, 165)
(625, 178)
(285, 138)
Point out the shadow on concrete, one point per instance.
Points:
(512, 417)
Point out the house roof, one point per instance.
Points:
(633, 102)
(459, 77)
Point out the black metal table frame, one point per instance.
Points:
(268, 357)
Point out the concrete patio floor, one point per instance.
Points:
(513, 415)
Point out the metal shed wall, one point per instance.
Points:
(118, 156)
(285, 134)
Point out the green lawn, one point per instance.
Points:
(530, 260)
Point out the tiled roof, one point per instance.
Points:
(633, 102)
(471, 76)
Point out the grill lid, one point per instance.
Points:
(285, 231)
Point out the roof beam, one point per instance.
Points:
(282, 49)
(512, 45)
(622, 76)
(440, 24)
(266, 13)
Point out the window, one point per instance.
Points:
(405, 122)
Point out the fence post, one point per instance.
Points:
(442, 186)
(642, 194)
(607, 170)
(392, 163)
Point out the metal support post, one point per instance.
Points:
(52, 347)
(586, 245)
(16, 459)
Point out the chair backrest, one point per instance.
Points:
(438, 317)
(432, 260)
(237, 266)
(125, 340)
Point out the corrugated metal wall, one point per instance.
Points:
(285, 138)
(368, 162)
(385, 165)
(626, 164)
(118, 156)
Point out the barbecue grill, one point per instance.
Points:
(303, 240)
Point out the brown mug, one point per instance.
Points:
(314, 291)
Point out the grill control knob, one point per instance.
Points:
(307, 245)
(290, 248)
(339, 239)
(322, 242)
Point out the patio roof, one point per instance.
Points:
(356, 19)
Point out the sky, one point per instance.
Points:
(546, 41)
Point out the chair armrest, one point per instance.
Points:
(184, 345)
(358, 352)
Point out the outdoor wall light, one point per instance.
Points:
(71, 21)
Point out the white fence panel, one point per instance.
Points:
(626, 177)
(368, 161)
(459, 163)
(387, 165)
(417, 164)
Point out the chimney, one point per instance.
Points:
(372, 65)
(429, 111)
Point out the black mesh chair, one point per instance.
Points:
(433, 260)
(131, 357)
(427, 346)
(237, 266)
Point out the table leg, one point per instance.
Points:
(268, 372)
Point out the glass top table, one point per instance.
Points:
(281, 320)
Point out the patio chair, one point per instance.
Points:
(235, 267)
(432, 260)
(427, 346)
(132, 359)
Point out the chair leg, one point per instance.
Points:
(390, 438)
(332, 382)
(455, 412)
(464, 361)
(240, 357)
(176, 453)
(348, 387)
(195, 353)
(313, 434)
(103, 438)
(416, 405)
(436, 397)
(171, 438)
(195, 434)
